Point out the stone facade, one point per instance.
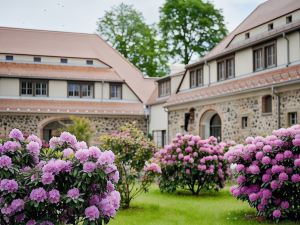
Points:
(30, 123)
(232, 109)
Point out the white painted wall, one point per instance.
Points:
(243, 62)
(98, 90)
(175, 81)
(9, 87)
(158, 118)
(128, 93)
(58, 89)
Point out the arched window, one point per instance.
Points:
(267, 104)
(215, 127)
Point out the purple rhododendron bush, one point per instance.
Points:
(268, 173)
(68, 183)
(192, 163)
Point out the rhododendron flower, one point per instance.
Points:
(277, 213)
(38, 195)
(47, 178)
(68, 152)
(9, 185)
(69, 138)
(154, 167)
(5, 161)
(16, 134)
(89, 167)
(73, 193)
(94, 152)
(82, 155)
(54, 196)
(92, 213)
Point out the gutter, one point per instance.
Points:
(288, 48)
(238, 92)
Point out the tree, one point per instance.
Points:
(191, 27)
(125, 28)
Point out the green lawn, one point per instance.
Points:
(213, 208)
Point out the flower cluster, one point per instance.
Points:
(193, 163)
(268, 173)
(38, 188)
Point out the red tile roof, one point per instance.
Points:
(22, 70)
(70, 107)
(77, 45)
(237, 85)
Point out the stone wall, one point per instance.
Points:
(231, 112)
(30, 123)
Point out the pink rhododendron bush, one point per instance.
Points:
(192, 163)
(268, 173)
(66, 184)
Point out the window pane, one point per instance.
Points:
(40, 88)
(74, 90)
(221, 70)
(26, 88)
(258, 59)
(116, 91)
(292, 118)
(270, 55)
(230, 68)
(193, 79)
(87, 90)
(199, 78)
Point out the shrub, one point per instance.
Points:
(81, 128)
(268, 173)
(192, 163)
(133, 151)
(76, 185)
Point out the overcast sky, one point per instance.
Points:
(81, 15)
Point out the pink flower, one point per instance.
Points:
(5, 161)
(9, 185)
(82, 155)
(47, 178)
(92, 213)
(285, 205)
(54, 196)
(89, 167)
(253, 197)
(266, 178)
(152, 167)
(33, 148)
(68, 152)
(240, 168)
(266, 160)
(38, 195)
(253, 169)
(94, 152)
(295, 178)
(283, 177)
(16, 134)
(297, 162)
(69, 138)
(106, 157)
(73, 193)
(276, 213)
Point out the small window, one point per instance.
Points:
(244, 122)
(37, 59)
(289, 19)
(264, 57)
(115, 91)
(226, 69)
(270, 26)
(164, 88)
(196, 78)
(292, 117)
(80, 90)
(63, 60)
(270, 56)
(267, 104)
(89, 62)
(26, 88)
(9, 57)
(247, 35)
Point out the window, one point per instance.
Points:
(196, 78)
(264, 57)
(34, 88)
(63, 60)
(80, 90)
(292, 117)
(115, 91)
(289, 19)
(226, 69)
(9, 57)
(89, 62)
(270, 26)
(244, 122)
(164, 88)
(247, 35)
(37, 59)
(159, 138)
(267, 104)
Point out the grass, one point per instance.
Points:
(181, 208)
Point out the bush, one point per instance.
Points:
(268, 173)
(191, 163)
(76, 185)
(133, 151)
(81, 128)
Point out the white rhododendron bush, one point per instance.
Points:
(68, 183)
(268, 173)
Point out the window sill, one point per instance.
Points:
(266, 114)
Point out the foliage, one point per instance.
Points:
(133, 151)
(124, 27)
(192, 163)
(191, 27)
(268, 173)
(81, 128)
(66, 184)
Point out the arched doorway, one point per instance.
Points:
(211, 125)
(54, 128)
(215, 128)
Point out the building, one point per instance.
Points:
(249, 84)
(47, 76)
(158, 115)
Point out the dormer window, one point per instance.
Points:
(289, 19)
(264, 57)
(37, 59)
(89, 62)
(270, 26)
(247, 35)
(196, 78)
(63, 60)
(226, 68)
(9, 57)
(164, 88)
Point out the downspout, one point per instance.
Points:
(167, 133)
(274, 92)
(208, 72)
(288, 49)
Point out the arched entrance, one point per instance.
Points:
(211, 125)
(54, 128)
